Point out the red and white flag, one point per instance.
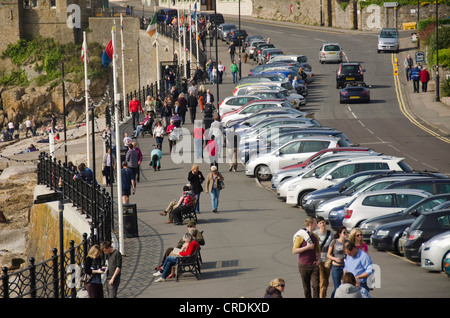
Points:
(84, 52)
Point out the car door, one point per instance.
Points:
(406, 200)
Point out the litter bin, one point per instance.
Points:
(130, 225)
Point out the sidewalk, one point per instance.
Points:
(431, 113)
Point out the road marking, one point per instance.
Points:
(319, 40)
(404, 109)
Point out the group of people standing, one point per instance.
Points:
(321, 254)
(417, 73)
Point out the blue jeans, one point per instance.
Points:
(198, 145)
(235, 77)
(214, 198)
(336, 274)
(139, 128)
(197, 204)
(167, 266)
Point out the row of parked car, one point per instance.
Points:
(320, 170)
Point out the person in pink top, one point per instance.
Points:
(198, 135)
(356, 237)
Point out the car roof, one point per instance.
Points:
(399, 191)
(429, 213)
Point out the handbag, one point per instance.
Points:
(85, 277)
(174, 135)
(220, 185)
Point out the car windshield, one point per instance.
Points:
(347, 69)
(388, 35)
(331, 48)
(229, 27)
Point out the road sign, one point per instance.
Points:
(44, 198)
(390, 4)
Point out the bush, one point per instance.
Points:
(444, 58)
(445, 88)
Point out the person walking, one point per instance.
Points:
(33, 125)
(232, 51)
(211, 148)
(196, 178)
(134, 107)
(109, 166)
(158, 133)
(172, 138)
(232, 146)
(128, 183)
(28, 127)
(198, 135)
(325, 238)
(192, 106)
(336, 255)
(359, 264)
(182, 107)
(140, 157)
(409, 63)
(234, 71)
(114, 269)
(424, 78)
(166, 113)
(93, 266)
(216, 129)
(220, 70)
(415, 78)
(131, 158)
(306, 245)
(214, 180)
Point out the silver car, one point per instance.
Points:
(224, 29)
(330, 52)
(388, 40)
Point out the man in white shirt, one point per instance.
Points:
(28, 126)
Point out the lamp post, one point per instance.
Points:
(437, 53)
(217, 53)
(240, 49)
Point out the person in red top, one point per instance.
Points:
(198, 135)
(189, 247)
(133, 107)
(424, 78)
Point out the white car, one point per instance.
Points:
(330, 52)
(370, 184)
(294, 151)
(251, 108)
(298, 187)
(232, 103)
(435, 251)
(292, 96)
(381, 202)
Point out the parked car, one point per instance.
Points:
(427, 225)
(381, 202)
(267, 54)
(388, 40)
(355, 92)
(330, 52)
(225, 28)
(236, 36)
(259, 47)
(264, 165)
(435, 251)
(447, 266)
(349, 72)
(232, 103)
(251, 48)
(296, 99)
(244, 88)
(440, 184)
(290, 57)
(249, 40)
(384, 240)
(297, 189)
(252, 107)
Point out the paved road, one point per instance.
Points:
(247, 244)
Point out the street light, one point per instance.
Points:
(240, 49)
(437, 54)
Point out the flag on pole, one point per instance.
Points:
(152, 26)
(108, 54)
(84, 52)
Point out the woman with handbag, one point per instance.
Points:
(337, 255)
(214, 183)
(173, 137)
(93, 269)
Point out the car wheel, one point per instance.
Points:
(397, 246)
(263, 173)
(301, 196)
(446, 255)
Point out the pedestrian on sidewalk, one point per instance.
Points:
(424, 78)
(415, 78)
(409, 63)
(359, 264)
(195, 178)
(192, 103)
(158, 133)
(114, 269)
(307, 246)
(156, 156)
(128, 183)
(214, 179)
(325, 237)
(109, 166)
(132, 159)
(198, 135)
(93, 266)
(216, 129)
(232, 51)
(140, 157)
(134, 107)
(234, 71)
(212, 149)
(220, 69)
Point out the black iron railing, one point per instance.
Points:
(42, 280)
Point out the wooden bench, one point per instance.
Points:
(189, 264)
(189, 213)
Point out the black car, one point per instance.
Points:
(384, 231)
(349, 72)
(355, 92)
(427, 225)
(237, 37)
(434, 186)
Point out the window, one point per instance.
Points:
(290, 149)
(52, 3)
(380, 185)
(344, 171)
(383, 200)
(427, 206)
(406, 200)
(314, 145)
(443, 222)
(443, 188)
(331, 48)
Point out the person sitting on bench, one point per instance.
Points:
(175, 208)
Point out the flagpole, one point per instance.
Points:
(158, 67)
(179, 34)
(86, 90)
(123, 70)
(184, 40)
(196, 31)
(190, 39)
(116, 124)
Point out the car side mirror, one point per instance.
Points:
(414, 212)
(329, 177)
